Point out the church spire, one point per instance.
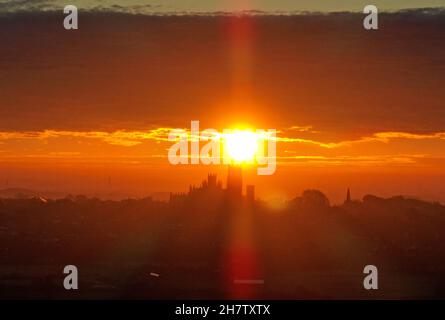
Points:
(348, 196)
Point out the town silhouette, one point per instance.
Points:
(219, 241)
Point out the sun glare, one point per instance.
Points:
(241, 145)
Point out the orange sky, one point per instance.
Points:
(352, 108)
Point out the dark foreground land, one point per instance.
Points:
(206, 243)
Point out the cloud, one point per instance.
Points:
(387, 159)
(302, 129)
(10, 6)
(129, 138)
(132, 138)
(26, 5)
(384, 149)
(332, 78)
(120, 137)
(384, 137)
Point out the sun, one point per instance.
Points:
(241, 145)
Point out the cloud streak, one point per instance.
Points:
(382, 149)
(132, 138)
(384, 137)
(120, 137)
(215, 8)
(291, 146)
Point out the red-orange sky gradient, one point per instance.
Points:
(89, 111)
